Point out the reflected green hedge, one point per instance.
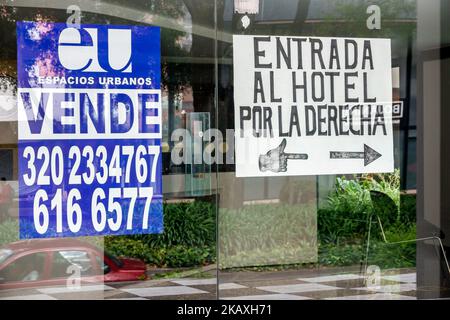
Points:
(190, 224)
(342, 223)
(276, 233)
(189, 238)
(9, 231)
(267, 234)
(348, 206)
(161, 256)
(381, 254)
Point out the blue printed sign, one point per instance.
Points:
(89, 121)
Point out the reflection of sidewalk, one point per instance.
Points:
(345, 286)
(259, 285)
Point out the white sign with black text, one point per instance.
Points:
(309, 105)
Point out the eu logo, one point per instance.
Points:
(86, 50)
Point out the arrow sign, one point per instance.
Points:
(369, 155)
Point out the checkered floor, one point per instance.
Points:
(349, 286)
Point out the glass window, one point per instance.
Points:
(27, 268)
(64, 261)
(387, 225)
(5, 254)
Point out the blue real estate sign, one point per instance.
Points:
(89, 121)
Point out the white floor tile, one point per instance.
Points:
(230, 285)
(213, 281)
(163, 291)
(337, 277)
(136, 298)
(29, 297)
(406, 277)
(294, 288)
(391, 288)
(55, 290)
(268, 297)
(195, 282)
(375, 296)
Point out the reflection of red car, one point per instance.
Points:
(47, 262)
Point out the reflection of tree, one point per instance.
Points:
(202, 73)
(174, 74)
(174, 67)
(8, 52)
(301, 15)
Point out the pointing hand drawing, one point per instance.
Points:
(276, 159)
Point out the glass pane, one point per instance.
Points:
(26, 268)
(62, 260)
(181, 242)
(299, 149)
(327, 236)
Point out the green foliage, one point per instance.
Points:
(188, 238)
(124, 246)
(281, 233)
(267, 234)
(274, 234)
(402, 255)
(183, 274)
(387, 183)
(382, 254)
(353, 194)
(180, 256)
(9, 231)
(333, 226)
(340, 255)
(170, 256)
(187, 224)
(346, 213)
(408, 208)
(343, 223)
(286, 255)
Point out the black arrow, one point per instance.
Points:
(369, 155)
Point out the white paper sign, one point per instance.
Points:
(309, 106)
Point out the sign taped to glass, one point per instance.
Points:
(310, 106)
(89, 111)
